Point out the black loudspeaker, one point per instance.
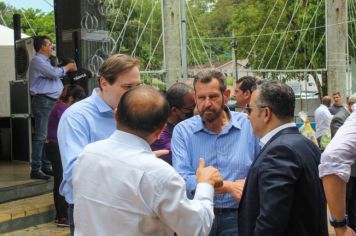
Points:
(67, 20)
(16, 19)
(24, 52)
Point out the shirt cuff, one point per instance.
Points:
(64, 70)
(341, 170)
(204, 191)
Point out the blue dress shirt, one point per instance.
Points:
(232, 151)
(84, 122)
(44, 78)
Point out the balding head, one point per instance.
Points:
(142, 110)
(326, 100)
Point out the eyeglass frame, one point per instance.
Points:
(248, 108)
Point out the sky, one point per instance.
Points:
(43, 5)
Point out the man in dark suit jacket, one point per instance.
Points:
(283, 194)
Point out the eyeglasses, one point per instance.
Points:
(248, 108)
(129, 86)
(189, 109)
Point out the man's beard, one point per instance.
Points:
(209, 115)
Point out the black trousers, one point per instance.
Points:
(351, 202)
(53, 155)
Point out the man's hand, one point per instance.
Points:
(162, 152)
(232, 187)
(344, 231)
(71, 66)
(208, 175)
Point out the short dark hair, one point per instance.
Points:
(39, 41)
(175, 94)
(247, 83)
(143, 109)
(116, 65)
(72, 90)
(206, 77)
(279, 97)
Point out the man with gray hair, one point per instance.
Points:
(180, 97)
(283, 194)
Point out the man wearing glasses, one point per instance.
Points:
(224, 139)
(92, 119)
(283, 194)
(181, 101)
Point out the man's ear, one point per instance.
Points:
(227, 93)
(116, 114)
(268, 114)
(103, 82)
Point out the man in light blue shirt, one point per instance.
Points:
(224, 139)
(92, 119)
(45, 88)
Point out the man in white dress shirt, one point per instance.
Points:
(323, 119)
(335, 170)
(122, 188)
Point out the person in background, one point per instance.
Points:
(92, 119)
(181, 101)
(243, 90)
(283, 195)
(322, 118)
(70, 94)
(122, 188)
(45, 88)
(337, 105)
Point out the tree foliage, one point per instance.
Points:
(33, 21)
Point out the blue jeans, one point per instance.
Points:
(71, 219)
(225, 224)
(41, 109)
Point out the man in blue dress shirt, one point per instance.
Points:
(224, 139)
(92, 119)
(45, 88)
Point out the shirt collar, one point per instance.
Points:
(273, 132)
(132, 140)
(199, 126)
(42, 56)
(99, 102)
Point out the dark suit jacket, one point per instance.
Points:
(338, 120)
(283, 194)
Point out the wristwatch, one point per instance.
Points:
(339, 223)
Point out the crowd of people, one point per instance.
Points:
(131, 160)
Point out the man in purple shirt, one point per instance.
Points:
(45, 88)
(181, 101)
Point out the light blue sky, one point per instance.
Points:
(43, 5)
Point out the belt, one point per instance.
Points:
(44, 95)
(220, 211)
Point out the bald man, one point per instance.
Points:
(122, 188)
(323, 118)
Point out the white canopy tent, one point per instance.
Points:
(7, 67)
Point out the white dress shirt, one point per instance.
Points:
(273, 132)
(122, 188)
(323, 119)
(340, 153)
